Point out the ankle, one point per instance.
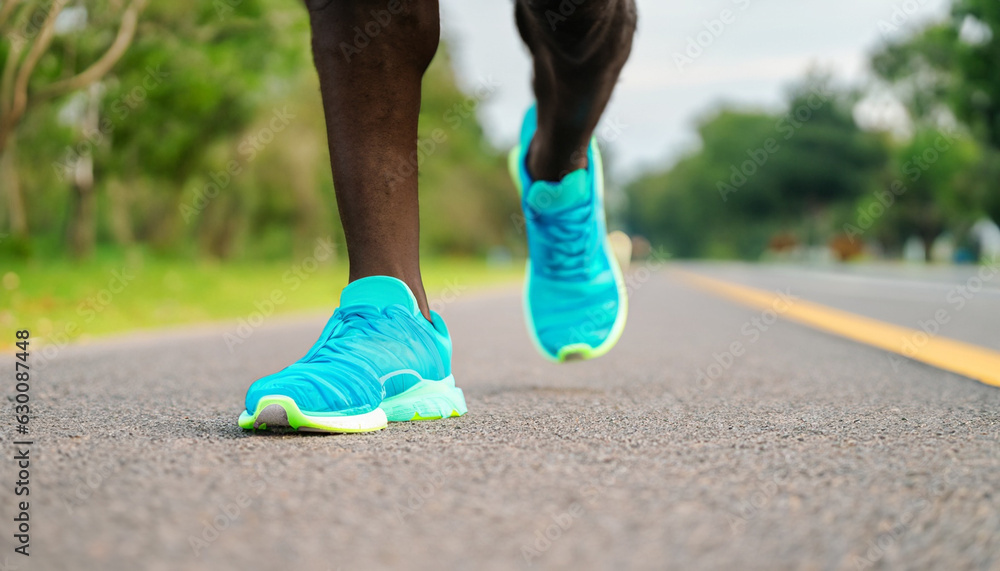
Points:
(410, 278)
(546, 165)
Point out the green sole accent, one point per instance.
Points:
(427, 400)
(416, 416)
(279, 411)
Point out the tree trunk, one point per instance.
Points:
(119, 213)
(10, 182)
(83, 216)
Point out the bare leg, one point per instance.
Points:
(579, 48)
(371, 98)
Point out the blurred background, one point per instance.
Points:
(165, 162)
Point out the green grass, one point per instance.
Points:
(62, 301)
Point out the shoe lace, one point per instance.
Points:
(568, 239)
(362, 318)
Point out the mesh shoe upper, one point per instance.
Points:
(573, 295)
(378, 330)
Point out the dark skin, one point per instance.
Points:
(371, 99)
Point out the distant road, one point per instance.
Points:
(712, 437)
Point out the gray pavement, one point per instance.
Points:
(806, 451)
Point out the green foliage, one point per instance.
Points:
(119, 291)
(212, 142)
(922, 196)
(977, 95)
(758, 174)
(212, 145)
(823, 176)
(921, 70)
(468, 203)
(941, 68)
(945, 72)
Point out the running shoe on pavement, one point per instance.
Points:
(378, 359)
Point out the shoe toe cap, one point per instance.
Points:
(575, 324)
(331, 390)
(579, 337)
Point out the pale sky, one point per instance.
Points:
(766, 45)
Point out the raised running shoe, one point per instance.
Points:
(575, 301)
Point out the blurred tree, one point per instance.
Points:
(976, 97)
(758, 174)
(921, 72)
(948, 72)
(210, 140)
(31, 74)
(950, 66)
(922, 200)
(976, 188)
(198, 77)
(468, 203)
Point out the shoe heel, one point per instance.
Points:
(427, 400)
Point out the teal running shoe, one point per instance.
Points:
(574, 292)
(377, 360)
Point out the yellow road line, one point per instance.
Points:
(965, 359)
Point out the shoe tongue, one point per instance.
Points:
(572, 190)
(379, 291)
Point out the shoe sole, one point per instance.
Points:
(280, 411)
(576, 351)
(425, 400)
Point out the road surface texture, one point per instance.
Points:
(712, 437)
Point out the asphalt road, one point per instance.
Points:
(806, 451)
